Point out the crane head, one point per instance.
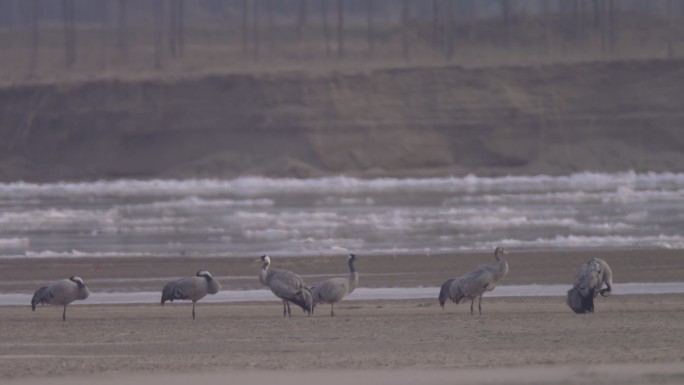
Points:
(204, 273)
(265, 259)
(77, 280)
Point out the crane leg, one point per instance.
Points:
(64, 313)
(284, 309)
(471, 305)
(289, 311)
(479, 305)
(193, 309)
(332, 312)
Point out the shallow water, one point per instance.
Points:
(254, 216)
(153, 297)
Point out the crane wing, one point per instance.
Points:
(333, 289)
(589, 279)
(477, 281)
(190, 288)
(284, 284)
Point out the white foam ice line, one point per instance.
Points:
(344, 201)
(621, 194)
(50, 218)
(192, 202)
(310, 247)
(98, 221)
(14, 243)
(312, 223)
(271, 234)
(582, 241)
(153, 297)
(494, 222)
(254, 186)
(81, 254)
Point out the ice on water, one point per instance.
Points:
(254, 215)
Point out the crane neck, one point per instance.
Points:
(352, 268)
(503, 265)
(263, 273)
(353, 275)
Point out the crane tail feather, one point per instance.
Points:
(41, 296)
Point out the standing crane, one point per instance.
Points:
(475, 283)
(334, 289)
(287, 286)
(191, 288)
(62, 292)
(589, 281)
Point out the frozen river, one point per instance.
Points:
(330, 216)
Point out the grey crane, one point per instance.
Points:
(589, 281)
(191, 288)
(287, 286)
(475, 283)
(334, 289)
(62, 292)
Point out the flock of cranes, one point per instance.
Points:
(291, 288)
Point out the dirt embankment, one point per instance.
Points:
(556, 119)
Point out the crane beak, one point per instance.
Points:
(504, 251)
(258, 260)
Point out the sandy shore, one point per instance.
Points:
(370, 340)
(365, 335)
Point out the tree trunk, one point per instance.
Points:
(448, 30)
(603, 20)
(35, 28)
(181, 27)
(158, 32)
(371, 32)
(121, 38)
(547, 26)
(612, 32)
(173, 22)
(405, 13)
(508, 21)
(326, 27)
(104, 32)
(69, 33)
(340, 29)
(596, 10)
(670, 30)
(435, 22)
(269, 15)
(301, 18)
(255, 29)
(245, 48)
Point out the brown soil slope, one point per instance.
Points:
(431, 121)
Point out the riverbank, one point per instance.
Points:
(417, 121)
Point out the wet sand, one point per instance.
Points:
(537, 338)
(150, 273)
